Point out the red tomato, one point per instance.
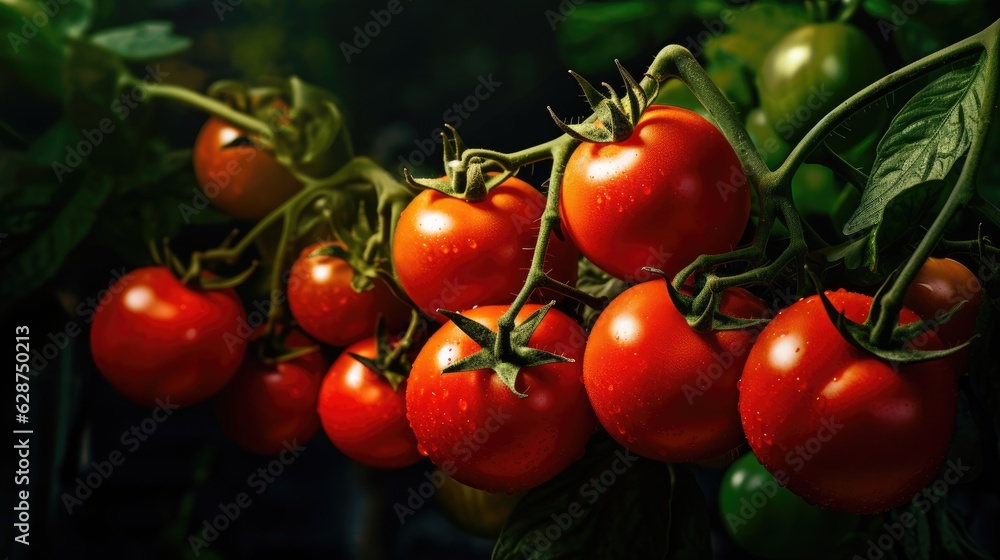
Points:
(363, 416)
(325, 306)
(660, 388)
(940, 285)
(239, 178)
(845, 429)
(478, 431)
(454, 254)
(267, 406)
(672, 191)
(159, 339)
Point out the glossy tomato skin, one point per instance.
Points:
(267, 406)
(325, 306)
(363, 416)
(473, 427)
(770, 521)
(454, 254)
(672, 191)
(159, 339)
(241, 179)
(660, 388)
(850, 432)
(940, 285)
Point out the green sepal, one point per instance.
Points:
(394, 367)
(708, 319)
(859, 335)
(506, 367)
(617, 117)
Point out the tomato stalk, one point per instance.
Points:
(205, 103)
(354, 179)
(964, 190)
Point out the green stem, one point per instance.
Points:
(964, 191)
(561, 151)
(209, 105)
(842, 112)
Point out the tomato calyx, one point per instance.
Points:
(309, 137)
(470, 180)
(193, 275)
(392, 360)
(704, 317)
(895, 350)
(506, 360)
(614, 118)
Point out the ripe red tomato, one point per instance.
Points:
(241, 179)
(266, 406)
(846, 430)
(325, 306)
(479, 432)
(362, 414)
(454, 254)
(940, 285)
(672, 191)
(159, 339)
(660, 388)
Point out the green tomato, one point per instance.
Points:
(768, 520)
(815, 190)
(811, 71)
(772, 147)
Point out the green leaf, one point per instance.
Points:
(40, 258)
(932, 131)
(610, 504)
(901, 218)
(146, 40)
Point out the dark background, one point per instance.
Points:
(394, 93)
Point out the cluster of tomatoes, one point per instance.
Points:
(833, 424)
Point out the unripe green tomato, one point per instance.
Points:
(812, 70)
(475, 511)
(768, 520)
(815, 190)
(770, 144)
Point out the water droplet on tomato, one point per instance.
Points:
(421, 450)
(473, 244)
(444, 392)
(611, 387)
(646, 190)
(462, 405)
(621, 428)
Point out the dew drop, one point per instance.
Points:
(473, 244)
(462, 405)
(444, 392)
(421, 449)
(646, 190)
(621, 428)
(611, 387)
